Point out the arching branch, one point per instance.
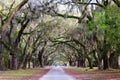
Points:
(17, 8)
(117, 2)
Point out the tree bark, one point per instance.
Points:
(78, 63)
(0, 56)
(40, 58)
(105, 61)
(14, 62)
(83, 58)
(16, 43)
(70, 62)
(29, 65)
(25, 64)
(100, 65)
(90, 62)
(114, 61)
(40, 55)
(22, 57)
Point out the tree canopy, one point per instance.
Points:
(83, 33)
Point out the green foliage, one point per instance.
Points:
(113, 21)
(113, 16)
(113, 35)
(109, 21)
(98, 21)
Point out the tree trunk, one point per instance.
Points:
(34, 63)
(78, 63)
(9, 63)
(70, 62)
(105, 61)
(114, 61)
(83, 63)
(29, 65)
(23, 56)
(1, 65)
(14, 62)
(24, 64)
(119, 61)
(40, 56)
(41, 60)
(83, 58)
(1, 62)
(90, 62)
(100, 66)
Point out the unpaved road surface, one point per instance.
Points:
(57, 73)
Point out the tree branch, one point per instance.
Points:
(17, 8)
(84, 3)
(117, 2)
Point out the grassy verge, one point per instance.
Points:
(83, 69)
(95, 73)
(18, 73)
(95, 69)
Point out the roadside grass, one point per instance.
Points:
(95, 72)
(19, 73)
(95, 69)
(80, 69)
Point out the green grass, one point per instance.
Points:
(116, 71)
(95, 72)
(19, 73)
(83, 69)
